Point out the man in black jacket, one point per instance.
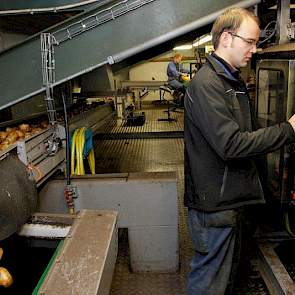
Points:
(220, 146)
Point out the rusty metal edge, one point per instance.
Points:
(273, 272)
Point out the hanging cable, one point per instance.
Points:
(68, 192)
(68, 148)
(287, 224)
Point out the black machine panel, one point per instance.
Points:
(275, 103)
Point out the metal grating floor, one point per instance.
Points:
(152, 124)
(163, 154)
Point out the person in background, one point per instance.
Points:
(177, 79)
(221, 143)
(176, 73)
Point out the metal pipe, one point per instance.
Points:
(51, 9)
(176, 33)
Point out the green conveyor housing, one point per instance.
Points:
(93, 38)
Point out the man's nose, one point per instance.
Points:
(254, 49)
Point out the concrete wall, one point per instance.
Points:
(149, 71)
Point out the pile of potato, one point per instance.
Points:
(13, 134)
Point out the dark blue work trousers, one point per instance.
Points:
(216, 241)
(175, 84)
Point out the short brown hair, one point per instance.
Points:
(177, 55)
(230, 20)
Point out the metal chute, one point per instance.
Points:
(18, 196)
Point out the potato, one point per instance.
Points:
(24, 127)
(36, 129)
(44, 124)
(11, 137)
(3, 135)
(20, 134)
(5, 277)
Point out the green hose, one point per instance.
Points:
(35, 292)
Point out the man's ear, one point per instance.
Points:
(225, 39)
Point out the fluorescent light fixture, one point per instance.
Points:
(202, 40)
(292, 6)
(183, 47)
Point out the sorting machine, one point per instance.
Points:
(275, 103)
(28, 159)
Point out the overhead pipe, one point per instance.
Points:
(52, 9)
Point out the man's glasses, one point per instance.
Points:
(250, 42)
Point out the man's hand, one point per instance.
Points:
(292, 122)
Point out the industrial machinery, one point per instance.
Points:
(275, 103)
(81, 45)
(30, 154)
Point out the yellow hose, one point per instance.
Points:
(77, 170)
(77, 165)
(82, 141)
(79, 154)
(91, 161)
(73, 150)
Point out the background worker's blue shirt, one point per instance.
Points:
(175, 70)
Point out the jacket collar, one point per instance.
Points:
(220, 68)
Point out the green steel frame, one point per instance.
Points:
(113, 41)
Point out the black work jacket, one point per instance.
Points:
(220, 144)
